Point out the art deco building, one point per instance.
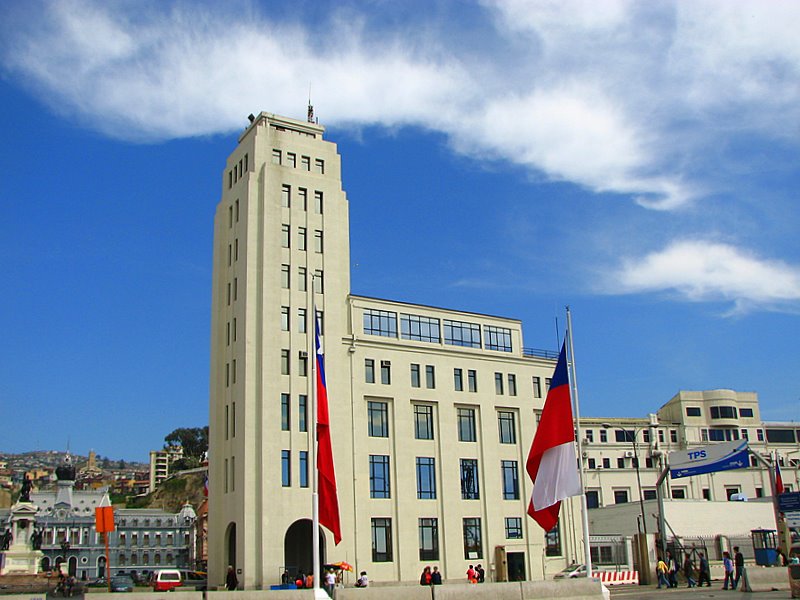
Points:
(432, 410)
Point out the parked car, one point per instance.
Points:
(164, 580)
(571, 571)
(122, 583)
(195, 579)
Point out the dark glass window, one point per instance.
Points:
(472, 380)
(508, 433)
(381, 540)
(303, 468)
(430, 377)
(428, 538)
(780, 436)
(369, 370)
(497, 338)
(469, 479)
(693, 411)
(285, 425)
(415, 375)
(421, 329)
(592, 499)
(513, 528)
(426, 478)
(723, 412)
(466, 424)
(379, 482)
(423, 422)
(510, 479)
(620, 496)
(380, 322)
(378, 419)
(286, 468)
(302, 412)
(746, 412)
(458, 380)
(552, 541)
(473, 546)
(459, 333)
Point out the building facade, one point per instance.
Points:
(432, 410)
(144, 539)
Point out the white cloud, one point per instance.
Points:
(711, 271)
(584, 92)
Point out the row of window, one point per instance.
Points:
(122, 559)
(378, 422)
(302, 314)
(500, 379)
(302, 235)
(146, 539)
(428, 329)
(298, 197)
(238, 171)
(289, 159)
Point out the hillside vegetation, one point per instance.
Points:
(173, 493)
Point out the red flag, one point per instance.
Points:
(552, 463)
(328, 500)
(779, 489)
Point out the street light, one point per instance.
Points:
(636, 466)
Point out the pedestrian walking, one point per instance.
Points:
(688, 570)
(672, 570)
(727, 564)
(425, 578)
(436, 576)
(661, 571)
(738, 566)
(704, 571)
(231, 581)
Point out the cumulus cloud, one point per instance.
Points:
(615, 97)
(711, 271)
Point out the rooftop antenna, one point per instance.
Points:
(310, 106)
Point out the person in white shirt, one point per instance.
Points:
(363, 581)
(330, 582)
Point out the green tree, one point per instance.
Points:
(193, 440)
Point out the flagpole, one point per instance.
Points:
(311, 324)
(574, 384)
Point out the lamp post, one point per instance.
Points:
(633, 436)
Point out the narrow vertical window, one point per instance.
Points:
(428, 538)
(319, 283)
(381, 539)
(498, 383)
(508, 432)
(302, 198)
(318, 202)
(284, 318)
(291, 160)
(303, 468)
(378, 419)
(430, 377)
(473, 546)
(285, 412)
(285, 270)
(510, 475)
(379, 478)
(301, 320)
(305, 162)
(302, 279)
(301, 238)
(285, 236)
(284, 362)
(318, 241)
(302, 412)
(369, 370)
(386, 372)
(472, 380)
(276, 157)
(512, 384)
(537, 387)
(303, 363)
(458, 380)
(319, 166)
(423, 421)
(286, 468)
(286, 196)
(466, 424)
(415, 375)
(426, 478)
(469, 479)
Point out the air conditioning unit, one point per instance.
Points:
(629, 454)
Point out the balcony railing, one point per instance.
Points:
(538, 353)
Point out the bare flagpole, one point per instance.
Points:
(573, 377)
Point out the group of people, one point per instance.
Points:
(667, 570)
(430, 577)
(476, 574)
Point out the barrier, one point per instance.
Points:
(617, 577)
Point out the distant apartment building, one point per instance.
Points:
(161, 462)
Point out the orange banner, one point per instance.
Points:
(104, 519)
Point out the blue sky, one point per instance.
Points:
(635, 160)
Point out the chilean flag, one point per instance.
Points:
(552, 461)
(779, 489)
(328, 500)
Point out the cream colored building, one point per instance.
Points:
(432, 410)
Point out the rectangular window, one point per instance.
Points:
(286, 196)
(537, 387)
(286, 468)
(276, 157)
(498, 384)
(303, 363)
(423, 421)
(472, 380)
(723, 412)
(301, 238)
(589, 435)
(302, 196)
(780, 436)
(227, 412)
(380, 322)
(285, 277)
(428, 538)
(466, 424)
(469, 479)
(512, 384)
(603, 436)
(318, 241)
(606, 463)
(760, 435)
(649, 494)
(379, 482)
(302, 412)
(458, 380)
(473, 546)
(426, 478)
(302, 279)
(319, 282)
(302, 318)
(303, 468)
(369, 370)
(305, 163)
(620, 463)
(318, 202)
(508, 432)
(513, 528)
(284, 362)
(430, 377)
(421, 329)
(693, 411)
(592, 498)
(415, 375)
(745, 435)
(319, 166)
(510, 479)
(291, 159)
(673, 436)
(497, 338)
(285, 408)
(378, 419)
(386, 372)
(552, 541)
(591, 463)
(624, 435)
(460, 333)
(285, 236)
(678, 493)
(746, 412)
(381, 540)
(284, 318)
(620, 496)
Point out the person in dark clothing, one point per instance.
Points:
(704, 572)
(436, 576)
(738, 563)
(481, 573)
(231, 581)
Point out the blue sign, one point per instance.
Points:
(789, 501)
(709, 459)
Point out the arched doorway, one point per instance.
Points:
(101, 566)
(230, 536)
(45, 563)
(73, 565)
(298, 551)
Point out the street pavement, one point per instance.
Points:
(637, 592)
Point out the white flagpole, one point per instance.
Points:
(573, 377)
(311, 334)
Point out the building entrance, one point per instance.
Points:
(516, 566)
(298, 552)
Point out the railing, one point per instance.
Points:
(537, 353)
